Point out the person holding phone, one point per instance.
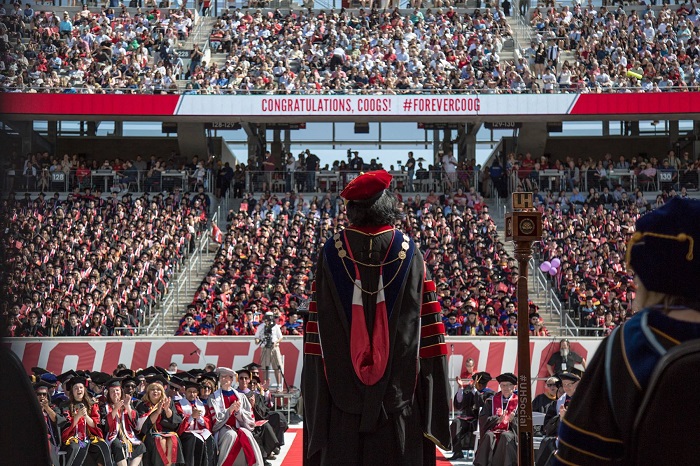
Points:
(81, 436)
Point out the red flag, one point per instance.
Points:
(502, 287)
(216, 234)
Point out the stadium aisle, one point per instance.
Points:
(291, 452)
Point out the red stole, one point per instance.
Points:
(497, 408)
(242, 441)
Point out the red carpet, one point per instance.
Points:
(293, 456)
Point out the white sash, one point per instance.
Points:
(203, 433)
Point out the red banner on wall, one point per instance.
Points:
(61, 354)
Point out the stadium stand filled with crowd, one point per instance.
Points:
(630, 48)
(90, 264)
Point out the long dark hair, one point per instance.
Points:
(382, 210)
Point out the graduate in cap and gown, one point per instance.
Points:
(375, 380)
(468, 400)
(498, 426)
(158, 422)
(81, 436)
(52, 417)
(119, 420)
(233, 424)
(195, 429)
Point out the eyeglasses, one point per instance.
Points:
(42, 394)
(551, 385)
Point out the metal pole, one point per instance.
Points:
(523, 252)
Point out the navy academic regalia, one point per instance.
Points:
(356, 413)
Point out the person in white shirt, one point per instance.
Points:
(269, 335)
(549, 81)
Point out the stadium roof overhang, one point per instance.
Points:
(429, 108)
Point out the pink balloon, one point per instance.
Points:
(556, 262)
(553, 271)
(545, 266)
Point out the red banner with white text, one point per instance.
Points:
(59, 355)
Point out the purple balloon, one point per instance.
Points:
(556, 262)
(553, 271)
(545, 266)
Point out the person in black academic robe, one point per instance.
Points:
(158, 421)
(198, 442)
(261, 411)
(52, 417)
(498, 426)
(374, 380)
(469, 401)
(264, 432)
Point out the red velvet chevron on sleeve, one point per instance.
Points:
(312, 343)
(432, 334)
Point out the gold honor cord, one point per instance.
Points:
(342, 253)
(639, 236)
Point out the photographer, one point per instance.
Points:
(269, 336)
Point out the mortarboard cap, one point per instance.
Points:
(125, 373)
(663, 251)
(482, 377)
(63, 378)
(569, 376)
(211, 376)
(157, 378)
(74, 381)
(39, 371)
(99, 378)
(243, 371)
(114, 382)
(252, 366)
(188, 384)
(367, 186)
(176, 381)
(42, 384)
(507, 377)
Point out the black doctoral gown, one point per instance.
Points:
(398, 418)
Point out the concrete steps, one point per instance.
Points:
(184, 289)
(551, 320)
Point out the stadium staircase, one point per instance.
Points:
(183, 287)
(536, 293)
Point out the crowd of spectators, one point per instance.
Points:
(93, 51)
(92, 264)
(587, 231)
(267, 261)
(633, 46)
(365, 51)
(608, 177)
(37, 172)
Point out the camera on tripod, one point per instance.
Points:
(269, 321)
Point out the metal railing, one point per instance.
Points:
(83, 88)
(106, 180)
(335, 181)
(182, 281)
(559, 180)
(553, 305)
